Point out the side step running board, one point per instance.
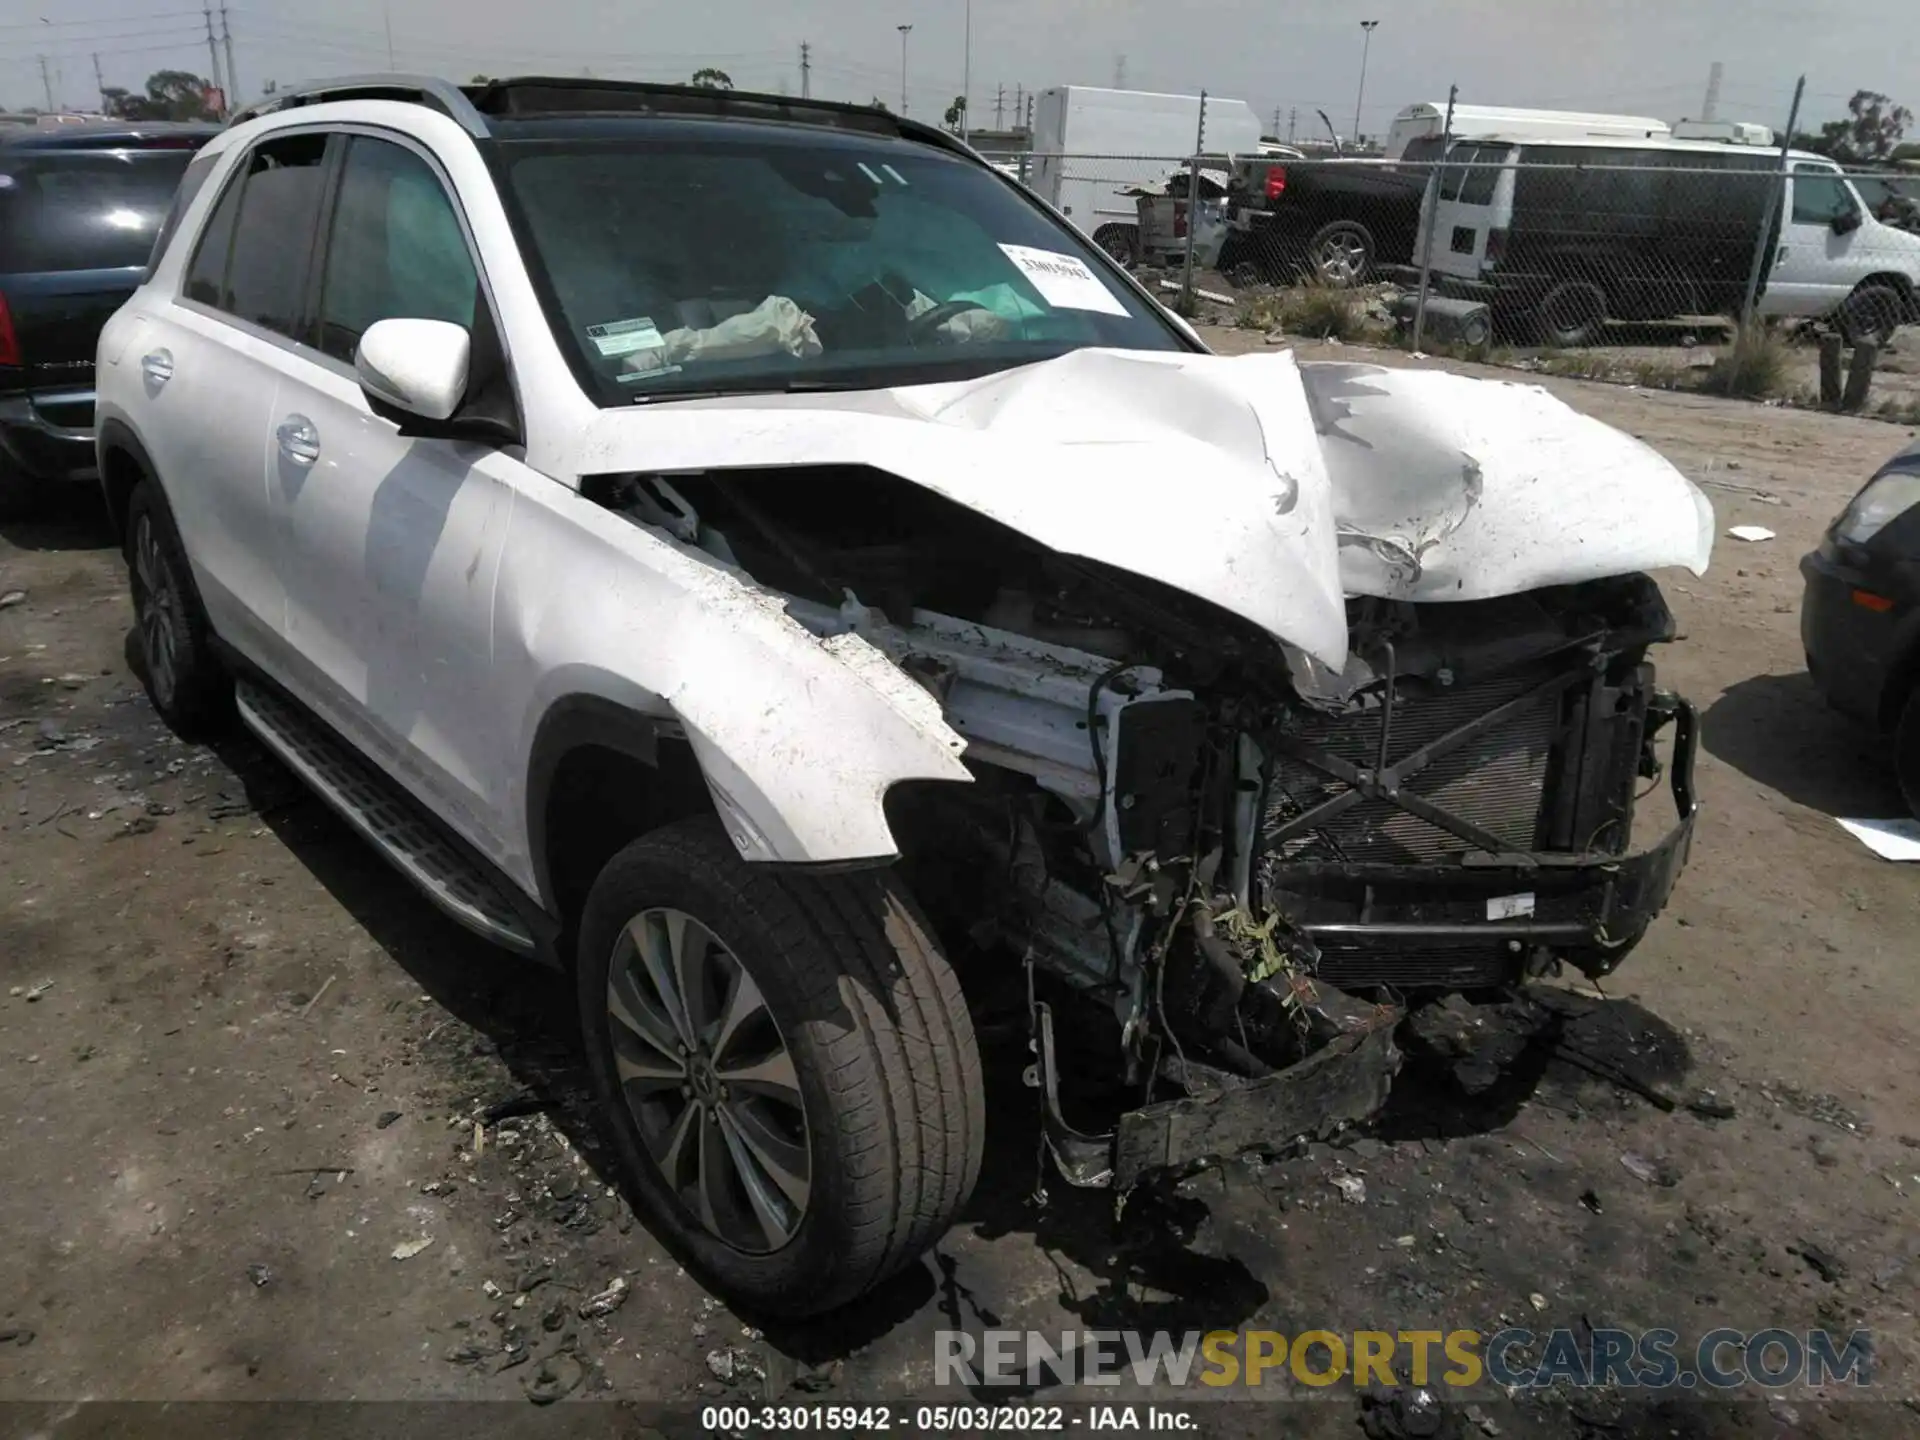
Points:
(372, 805)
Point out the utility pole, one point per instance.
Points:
(1119, 72)
(806, 71)
(226, 43)
(966, 81)
(1710, 110)
(905, 30)
(1365, 49)
(213, 63)
(100, 82)
(1029, 115)
(1276, 122)
(46, 83)
(1293, 124)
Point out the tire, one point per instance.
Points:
(1871, 314)
(1906, 751)
(1122, 242)
(1340, 254)
(184, 677)
(878, 1137)
(1571, 313)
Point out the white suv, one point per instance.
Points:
(716, 544)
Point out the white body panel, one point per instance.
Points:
(434, 600)
(1136, 133)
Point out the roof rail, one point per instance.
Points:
(428, 90)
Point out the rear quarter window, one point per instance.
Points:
(84, 209)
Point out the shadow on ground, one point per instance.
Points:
(72, 517)
(1779, 731)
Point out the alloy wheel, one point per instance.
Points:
(709, 1080)
(158, 608)
(1341, 259)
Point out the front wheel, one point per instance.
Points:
(184, 677)
(786, 1064)
(1572, 312)
(1870, 315)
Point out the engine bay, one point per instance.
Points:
(1242, 857)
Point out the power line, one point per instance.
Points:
(43, 25)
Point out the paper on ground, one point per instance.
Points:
(1750, 532)
(1889, 839)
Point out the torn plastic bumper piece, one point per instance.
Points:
(1344, 1082)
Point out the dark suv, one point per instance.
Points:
(80, 206)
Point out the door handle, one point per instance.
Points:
(299, 441)
(157, 366)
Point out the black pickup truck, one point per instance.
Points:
(1332, 220)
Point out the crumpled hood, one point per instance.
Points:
(1269, 488)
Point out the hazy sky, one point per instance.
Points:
(1635, 56)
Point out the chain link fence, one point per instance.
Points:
(1557, 245)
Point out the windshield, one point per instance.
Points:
(693, 265)
(84, 209)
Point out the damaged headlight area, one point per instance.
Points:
(1255, 867)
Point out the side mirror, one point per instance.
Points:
(1846, 222)
(417, 366)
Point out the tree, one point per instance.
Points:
(708, 78)
(171, 95)
(879, 104)
(1872, 131)
(954, 111)
(481, 80)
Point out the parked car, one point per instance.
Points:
(1564, 236)
(1860, 616)
(80, 206)
(1335, 221)
(743, 628)
(1165, 214)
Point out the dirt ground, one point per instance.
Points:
(249, 1070)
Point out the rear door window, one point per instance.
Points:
(252, 261)
(84, 209)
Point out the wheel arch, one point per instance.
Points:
(1902, 284)
(599, 775)
(124, 463)
(1903, 673)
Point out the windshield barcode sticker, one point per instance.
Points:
(623, 337)
(1064, 281)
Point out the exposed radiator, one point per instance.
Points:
(1496, 780)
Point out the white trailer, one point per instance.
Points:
(1473, 122)
(1091, 146)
